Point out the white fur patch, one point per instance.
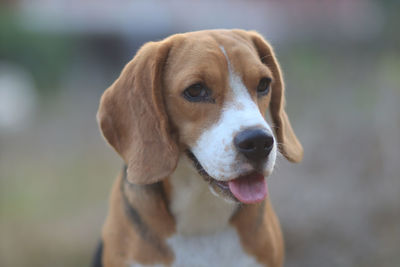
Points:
(220, 249)
(195, 208)
(215, 149)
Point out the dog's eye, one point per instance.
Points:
(263, 86)
(197, 93)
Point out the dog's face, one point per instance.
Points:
(210, 91)
(217, 93)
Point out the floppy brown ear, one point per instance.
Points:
(133, 119)
(289, 145)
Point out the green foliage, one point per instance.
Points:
(45, 55)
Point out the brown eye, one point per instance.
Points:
(198, 93)
(263, 86)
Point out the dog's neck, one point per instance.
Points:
(195, 208)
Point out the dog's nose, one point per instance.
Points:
(254, 144)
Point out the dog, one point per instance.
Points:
(187, 116)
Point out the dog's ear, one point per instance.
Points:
(289, 145)
(133, 119)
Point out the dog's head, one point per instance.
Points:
(204, 94)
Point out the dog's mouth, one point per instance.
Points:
(249, 188)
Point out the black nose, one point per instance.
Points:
(254, 144)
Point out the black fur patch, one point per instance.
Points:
(97, 258)
(134, 216)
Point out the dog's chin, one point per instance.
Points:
(235, 190)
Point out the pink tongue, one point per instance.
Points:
(249, 189)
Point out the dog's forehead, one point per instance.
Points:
(211, 47)
(205, 55)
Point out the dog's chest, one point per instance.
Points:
(204, 236)
(220, 249)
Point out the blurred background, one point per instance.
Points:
(341, 60)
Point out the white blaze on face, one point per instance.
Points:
(215, 149)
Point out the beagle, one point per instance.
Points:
(187, 115)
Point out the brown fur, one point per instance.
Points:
(260, 232)
(289, 145)
(146, 120)
(125, 240)
(132, 117)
